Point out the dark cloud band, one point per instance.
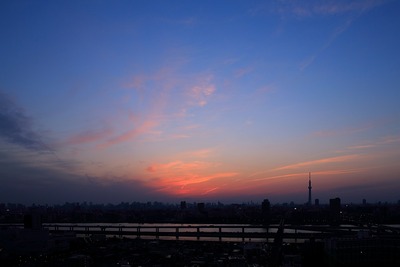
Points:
(16, 127)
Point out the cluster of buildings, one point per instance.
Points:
(375, 243)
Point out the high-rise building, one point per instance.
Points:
(334, 205)
(33, 221)
(201, 207)
(266, 206)
(183, 205)
(334, 209)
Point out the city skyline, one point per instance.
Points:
(229, 101)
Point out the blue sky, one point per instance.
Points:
(110, 101)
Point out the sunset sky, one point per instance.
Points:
(231, 101)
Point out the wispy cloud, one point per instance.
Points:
(143, 128)
(339, 30)
(383, 141)
(170, 96)
(210, 190)
(346, 130)
(323, 8)
(390, 139)
(329, 160)
(134, 124)
(202, 90)
(201, 153)
(16, 127)
(29, 181)
(179, 166)
(274, 177)
(243, 71)
(361, 147)
(190, 184)
(269, 175)
(89, 136)
(186, 177)
(338, 172)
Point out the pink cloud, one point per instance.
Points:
(143, 128)
(180, 166)
(179, 177)
(209, 90)
(338, 172)
(202, 103)
(321, 161)
(210, 190)
(89, 137)
(169, 96)
(158, 95)
(179, 136)
(201, 153)
(390, 139)
(379, 143)
(202, 90)
(345, 131)
(137, 82)
(191, 184)
(265, 89)
(273, 177)
(243, 71)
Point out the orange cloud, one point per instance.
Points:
(278, 177)
(190, 184)
(180, 166)
(179, 178)
(338, 172)
(201, 153)
(210, 190)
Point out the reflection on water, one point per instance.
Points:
(185, 228)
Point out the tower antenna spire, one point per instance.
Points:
(309, 189)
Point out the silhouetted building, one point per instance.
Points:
(309, 189)
(364, 202)
(33, 221)
(334, 205)
(363, 252)
(201, 207)
(334, 209)
(266, 209)
(266, 206)
(183, 205)
(316, 202)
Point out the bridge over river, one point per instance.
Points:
(219, 232)
(289, 233)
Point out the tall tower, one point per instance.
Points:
(309, 189)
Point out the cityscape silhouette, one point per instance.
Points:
(199, 133)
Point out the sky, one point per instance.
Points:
(231, 101)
